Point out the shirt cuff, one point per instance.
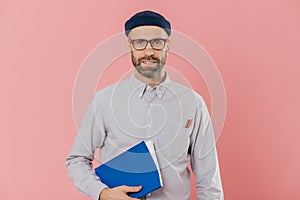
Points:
(96, 189)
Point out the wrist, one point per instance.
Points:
(101, 193)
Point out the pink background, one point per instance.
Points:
(255, 45)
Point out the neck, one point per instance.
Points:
(152, 82)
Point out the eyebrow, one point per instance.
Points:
(148, 40)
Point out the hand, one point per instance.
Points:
(118, 193)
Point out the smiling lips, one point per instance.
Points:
(149, 62)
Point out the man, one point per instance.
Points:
(148, 106)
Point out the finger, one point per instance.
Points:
(133, 199)
(124, 196)
(131, 189)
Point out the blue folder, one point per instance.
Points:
(133, 167)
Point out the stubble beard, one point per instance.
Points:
(149, 72)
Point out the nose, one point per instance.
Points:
(149, 50)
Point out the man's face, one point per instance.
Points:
(148, 62)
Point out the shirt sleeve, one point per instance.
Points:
(91, 135)
(204, 159)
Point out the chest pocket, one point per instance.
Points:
(173, 148)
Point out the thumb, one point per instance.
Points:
(131, 189)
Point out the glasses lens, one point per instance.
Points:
(157, 43)
(139, 44)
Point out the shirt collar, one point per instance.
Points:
(141, 87)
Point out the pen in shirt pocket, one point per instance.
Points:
(188, 123)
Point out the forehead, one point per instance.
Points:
(147, 32)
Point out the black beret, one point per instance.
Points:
(147, 18)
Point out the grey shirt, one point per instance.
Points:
(173, 116)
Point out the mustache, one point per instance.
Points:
(148, 58)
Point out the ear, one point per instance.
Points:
(168, 45)
(127, 44)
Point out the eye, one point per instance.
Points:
(157, 42)
(140, 42)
